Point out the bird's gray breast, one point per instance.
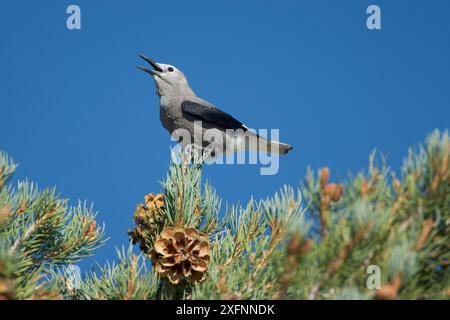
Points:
(170, 114)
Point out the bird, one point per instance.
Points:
(182, 109)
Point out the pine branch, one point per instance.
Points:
(313, 244)
(38, 232)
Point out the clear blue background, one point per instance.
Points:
(75, 112)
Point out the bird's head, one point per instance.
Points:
(168, 78)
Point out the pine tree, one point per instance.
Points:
(323, 240)
(39, 232)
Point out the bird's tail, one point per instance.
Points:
(278, 147)
(273, 146)
(253, 141)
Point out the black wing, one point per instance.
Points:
(212, 115)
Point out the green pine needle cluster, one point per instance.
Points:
(377, 235)
(38, 232)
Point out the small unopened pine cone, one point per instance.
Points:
(333, 191)
(324, 177)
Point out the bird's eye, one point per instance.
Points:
(170, 69)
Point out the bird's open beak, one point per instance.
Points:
(155, 66)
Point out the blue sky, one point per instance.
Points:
(75, 113)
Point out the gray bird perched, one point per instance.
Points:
(180, 108)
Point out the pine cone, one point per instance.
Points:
(5, 212)
(149, 218)
(151, 212)
(181, 255)
(334, 191)
(155, 203)
(7, 289)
